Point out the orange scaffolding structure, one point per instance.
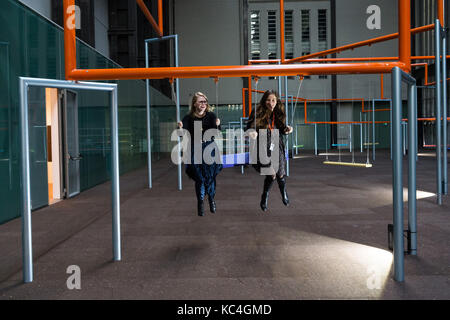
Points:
(403, 61)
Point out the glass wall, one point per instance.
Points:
(32, 46)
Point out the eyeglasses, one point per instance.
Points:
(202, 102)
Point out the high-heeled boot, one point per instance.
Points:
(200, 192)
(268, 182)
(212, 204)
(282, 186)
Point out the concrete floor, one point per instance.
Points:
(330, 243)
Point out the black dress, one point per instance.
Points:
(277, 124)
(203, 174)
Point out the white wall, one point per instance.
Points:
(209, 35)
(101, 26)
(44, 7)
(351, 27)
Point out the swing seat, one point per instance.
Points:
(350, 164)
(370, 143)
(339, 144)
(231, 160)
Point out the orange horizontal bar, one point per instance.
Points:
(148, 15)
(358, 44)
(434, 82)
(344, 122)
(376, 110)
(427, 119)
(232, 71)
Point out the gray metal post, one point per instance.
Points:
(373, 130)
(390, 125)
(242, 149)
(361, 132)
(25, 83)
(287, 122)
(315, 138)
(177, 84)
(149, 145)
(444, 113)
(27, 247)
(350, 137)
(412, 152)
(115, 175)
(397, 175)
(279, 82)
(437, 38)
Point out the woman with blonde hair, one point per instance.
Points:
(203, 174)
(270, 115)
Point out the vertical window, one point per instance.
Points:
(255, 44)
(306, 32)
(288, 35)
(271, 34)
(322, 42)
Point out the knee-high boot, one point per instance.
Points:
(268, 182)
(211, 190)
(282, 186)
(200, 192)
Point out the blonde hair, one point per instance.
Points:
(195, 99)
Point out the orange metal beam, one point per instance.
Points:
(404, 33)
(358, 59)
(233, 71)
(148, 15)
(440, 11)
(70, 49)
(160, 15)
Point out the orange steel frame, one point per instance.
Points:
(403, 61)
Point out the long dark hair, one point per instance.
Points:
(263, 113)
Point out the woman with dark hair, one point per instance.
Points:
(270, 115)
(203, 174)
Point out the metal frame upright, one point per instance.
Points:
(25, 83)
(148, 101)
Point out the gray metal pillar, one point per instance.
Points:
(115, 175)
(287, 122)
(27, 246)
(444, 113)
(315, 138)
(177, 84)
(149, 145)
(25, 83)
(397, 184)
(373, 130)
(279, 82)
(412, 158)
(437, 38)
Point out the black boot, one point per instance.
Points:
(282, 186)
(212, 204)
(201, 211)
(268, 182)
(200, 192)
